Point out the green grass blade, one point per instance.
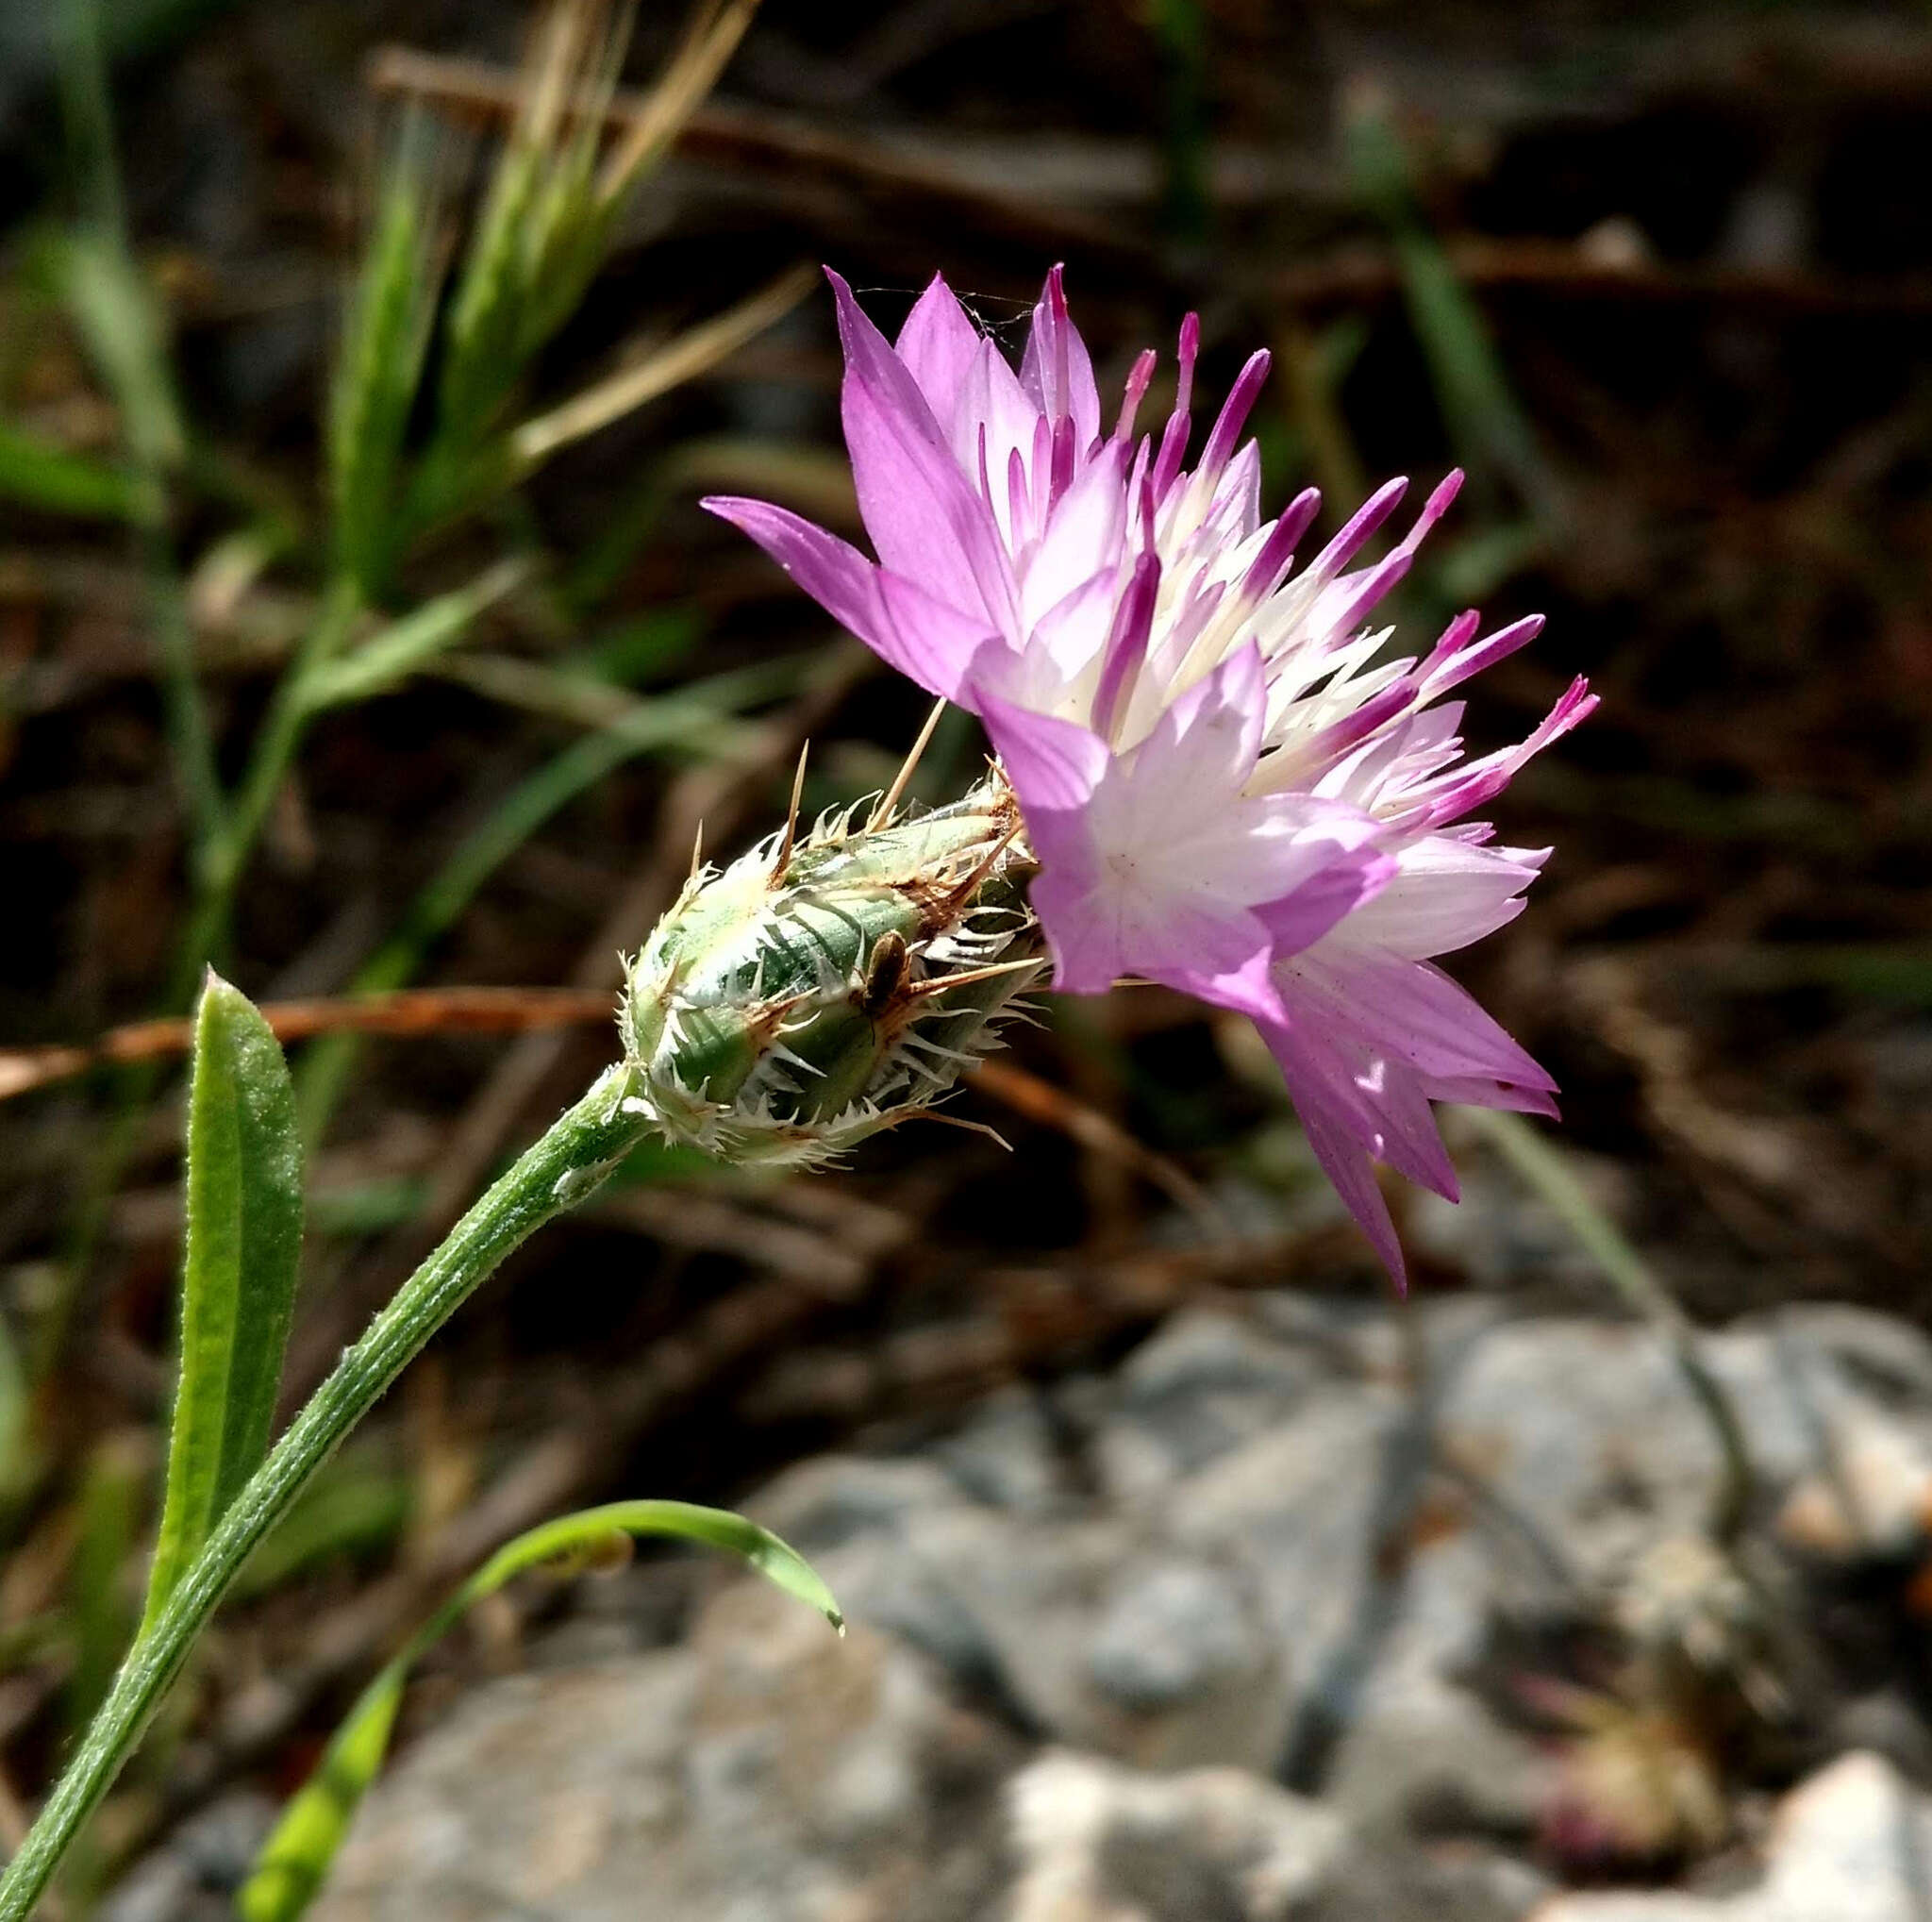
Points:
(296, 1857)
(127, 338)
(243, 1248)
(377, 375)
(481, 365)
(121, 321)
(1547, 1170)
(1479, 406)
(407, 644)
(38, 473)
(16, 1430)
(698, 720)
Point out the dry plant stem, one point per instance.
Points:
(1549, 1173)
(395, 1012)
(558, 1170)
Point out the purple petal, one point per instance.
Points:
(1085, 533)
(833, 572)
(1055, 765)
(1056, 369)
(939, 344)
(1277, 552)
(925, 520)
(926, 640)
(1336, 1146)
(1126, 645)
(1446, 894)
(1357, 529)
(1085, 948)
(1414, 1012)
(929, 641)
(1434, 509)
(1452, 663)
(1483, 780)
(1139, 375)
(1234, 412)
(1173, 439)
(994, 414)
(1299, 920)
(1246, 988)
(1198, 721)
(1073, 632)
(1480, 1094)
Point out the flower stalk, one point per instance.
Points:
(828, 984)
(568, 1162)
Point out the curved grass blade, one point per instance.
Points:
(16, 1423)
(379, 372)
(39, 473)
(296, 1856)
(410, 644)
(238, 1289)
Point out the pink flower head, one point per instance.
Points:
(1227, 787)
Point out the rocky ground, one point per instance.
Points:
(1307, 1609)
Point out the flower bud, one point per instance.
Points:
(822, 988)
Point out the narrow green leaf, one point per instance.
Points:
(238, 1291)
(127, 336)
(696, 720)
(14, 1406)
(39, 473)
(296, 1857)
(377, 375)
(1480, 407)
(408, 644)
(482, 365)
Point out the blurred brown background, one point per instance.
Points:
(1661, 277)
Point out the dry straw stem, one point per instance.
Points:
(788, 143)
(410, 1012)
(691, 354)
(711, 40)
(644, 126)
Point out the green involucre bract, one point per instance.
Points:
(822, 988)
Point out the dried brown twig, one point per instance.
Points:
(405, 1012)
(487, 94)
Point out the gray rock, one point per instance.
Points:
(1259, 1553)
(1172, 1632)
(1852, 1844)
(767, 1769)
(1297, 1507)
(195, 1875)
(834, 1498)
(1004, 1454)
(1099, 1843)
(1204, 1385)
(1182, 1650)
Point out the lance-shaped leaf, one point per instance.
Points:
(296, 1857)
(244, 1183)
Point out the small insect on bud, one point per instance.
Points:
(827, 986)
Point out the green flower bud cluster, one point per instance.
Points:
(824, 987)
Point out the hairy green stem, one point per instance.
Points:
(555, 1173)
